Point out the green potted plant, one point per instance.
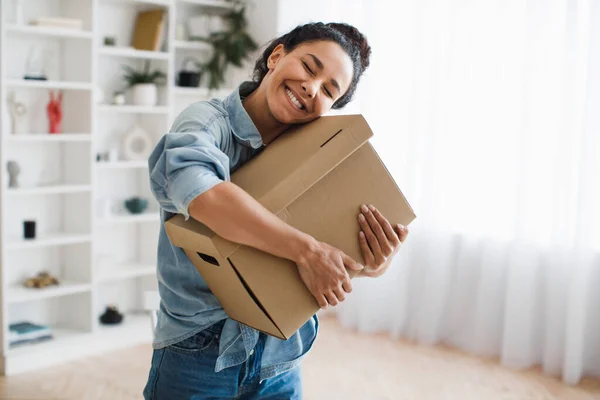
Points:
(144, 84)
(231, 46)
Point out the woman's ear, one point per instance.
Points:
(276, 55)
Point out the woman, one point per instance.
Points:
(199, 353)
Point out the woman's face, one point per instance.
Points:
(304, 83)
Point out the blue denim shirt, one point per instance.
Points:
(208, 141)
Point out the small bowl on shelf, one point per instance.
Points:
(136, 205)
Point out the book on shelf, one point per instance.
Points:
(28, 332)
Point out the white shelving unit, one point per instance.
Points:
(101, 254)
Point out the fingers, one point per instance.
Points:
(371, 237)
(391, 235)
(347, 286)
(375, 227)
(366, 250)
(332, 298)
(402, 232)
(322, 301)
(339, 294)
(350, 263)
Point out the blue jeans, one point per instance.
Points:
(186, 370)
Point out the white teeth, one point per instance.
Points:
(293, 98)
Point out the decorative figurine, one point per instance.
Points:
(41, 280)
(16, 110)
(54, 110)
(111, 316)
(13, 172)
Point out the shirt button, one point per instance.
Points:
(251, 351)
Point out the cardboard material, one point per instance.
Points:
(315, 177)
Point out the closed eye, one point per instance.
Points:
(307, 68)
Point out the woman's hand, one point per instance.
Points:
(323, 270)
(379, 241)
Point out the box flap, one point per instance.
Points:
(233, 293)
(299, 158)
(277, 287)
(221, 276)
(178, 230)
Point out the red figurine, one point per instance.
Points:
(54, 109)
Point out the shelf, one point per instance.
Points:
(127, 271)
(192, 45)
(49, 31)
(134, 109)
(202, 92)
(163, 3)
(20, 294)
(58, 189)
(60, 337)
(71, 344)
(210, 3)
(46, 137)
(48, 239)
(130, 52)
(122, 164)
(129, 218)
(65, 85)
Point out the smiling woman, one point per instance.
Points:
(199, 351)
(305, 73)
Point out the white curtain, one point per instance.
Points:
(487, 113)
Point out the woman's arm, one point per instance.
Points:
(236, 216)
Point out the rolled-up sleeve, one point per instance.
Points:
(185, 165)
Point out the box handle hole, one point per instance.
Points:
(209, 259)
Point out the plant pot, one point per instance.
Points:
(145, 94)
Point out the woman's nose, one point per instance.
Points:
(308, 89)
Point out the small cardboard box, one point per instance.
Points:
(315, 177)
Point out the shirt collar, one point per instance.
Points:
(243, 128)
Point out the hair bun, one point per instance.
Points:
(357, 39)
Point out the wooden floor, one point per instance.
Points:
(343, 365)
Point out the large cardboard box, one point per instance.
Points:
(315, 177)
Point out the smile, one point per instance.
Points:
(293, 99)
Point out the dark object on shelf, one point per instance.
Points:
(111, 316)
(136, 205)
(35, 78)
(41, 280)
(110, 41)
(102, 156)
(29, 229)
(187, 78)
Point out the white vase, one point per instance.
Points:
(145, 94)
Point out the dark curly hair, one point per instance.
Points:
(348, 37)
